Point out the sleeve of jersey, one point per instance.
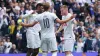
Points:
(54, 16)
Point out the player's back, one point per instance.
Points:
(46, 20)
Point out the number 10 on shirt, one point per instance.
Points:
(46, 23)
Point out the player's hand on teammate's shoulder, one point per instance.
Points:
(33, 12)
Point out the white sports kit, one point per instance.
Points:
(48, 38)
(69, 36)
(32, 34)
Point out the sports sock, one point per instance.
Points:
(68, 55)
(54, 54)
(71, 54)
(44, 54)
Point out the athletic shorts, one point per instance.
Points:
(68, 45)
(33, 40)
(49, 44)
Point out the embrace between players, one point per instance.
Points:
(43, 21)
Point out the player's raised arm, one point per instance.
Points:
(31, 24)
(74, 21)
(64, 21)
(60, 29)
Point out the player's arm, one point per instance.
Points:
(64, 21)
(29, 25)
(74, 21)
(60, 29)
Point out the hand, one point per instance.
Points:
(22, 24)
(33, 12)
(56, 33)
(73, 16)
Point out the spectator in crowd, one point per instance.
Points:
(13, 32)
(2, 10)
(2, 13)
(97, 5)
(94, 40)
(97, 17)
(1, 47)
(5, 24)
(27, 7)
(14, 3)
(29, 10)
(80, 28)
(84, 36)
(98, 40)
(8, 46)
(80, 45)
(57, 4)
(13, 49)
(4, 40)
(81, 2)
(87, 45)
(22, 10)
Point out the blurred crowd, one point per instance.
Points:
(13, 35)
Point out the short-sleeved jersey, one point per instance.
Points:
(35, 29)
(68, 27)
(46, 20)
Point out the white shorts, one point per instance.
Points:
(49, 44)
(68, 45)
(33, 40)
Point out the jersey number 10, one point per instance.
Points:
(46, 23)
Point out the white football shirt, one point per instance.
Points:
(68, 27)
(36, 28)
(46, 20)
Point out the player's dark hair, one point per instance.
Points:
(39, 4)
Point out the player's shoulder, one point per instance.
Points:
(34, 14)
(52, 14)
(38, 15)
(69, 14)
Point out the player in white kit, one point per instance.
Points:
(48, 39)
(32, 34)
(69, 36)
